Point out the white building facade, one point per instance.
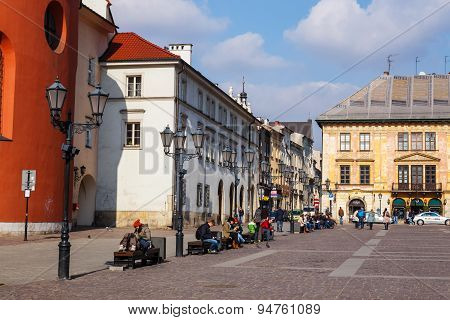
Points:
(96, 28)
(150, 88)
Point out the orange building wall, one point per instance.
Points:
(33, 142)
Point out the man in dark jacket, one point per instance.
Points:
(204, 233)
(279, 217)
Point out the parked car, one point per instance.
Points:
(431, 218)
(378, 218)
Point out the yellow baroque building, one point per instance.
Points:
(388, 147)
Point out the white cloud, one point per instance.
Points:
(344, 30)
(244, 50)
(177, 20)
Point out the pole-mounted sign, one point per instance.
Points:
(28, 185)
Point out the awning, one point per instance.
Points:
(399, 203)
(434, 203)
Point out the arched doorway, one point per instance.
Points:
(416, 206)
(399, 205)
(252, 201)
(355, 205)
(86, 202)
(435, 205)
(220, 203)
(231, 200)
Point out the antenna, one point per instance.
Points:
(445, 64)
(417, 62)
(243, 84)
(389, 61)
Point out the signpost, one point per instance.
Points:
(28, 185)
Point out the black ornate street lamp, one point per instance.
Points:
(56, 96)
(289, 174)
(180, 156)
(380, 196)
(229, 157)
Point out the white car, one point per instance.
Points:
(378, 218)
(431, 218)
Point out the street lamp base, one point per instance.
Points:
(64, 260)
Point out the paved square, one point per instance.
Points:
(406, 262)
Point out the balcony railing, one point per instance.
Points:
(416, 187)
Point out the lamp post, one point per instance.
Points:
(229, 157)
(327, 185)
(318, 184)
(289, 173)
(56, 96)
(180, 156)
(379, 197)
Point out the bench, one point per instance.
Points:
(248, 237)
(129, 258)
(198, 247)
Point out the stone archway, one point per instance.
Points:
(355, 204)
(86, 201)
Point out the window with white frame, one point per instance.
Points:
(212, 112)
(213, 150)
(88, 142)
(207, 192)
(364, 141)
(134, 86)
(199, 194)
(430, 141)
(91, 71)
(133, 135)
(345, 141)
(183, 89)
(200, 100)
(207, 148)
(208, 106)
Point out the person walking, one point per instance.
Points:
(341, 216)
(361, 215)
(279, 217)
(241, 215)
(265, 227)
(257, 219)
(371, 219)
(386, 219)
(395, 216)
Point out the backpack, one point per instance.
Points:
(198, 235)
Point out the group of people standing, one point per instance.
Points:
(370, 219)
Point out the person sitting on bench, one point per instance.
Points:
(266, 230)
(204, 233)
(143, 235)
(231, 232)
(128, 242)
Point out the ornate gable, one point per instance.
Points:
(417, 157)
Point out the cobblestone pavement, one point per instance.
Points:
(407, 262)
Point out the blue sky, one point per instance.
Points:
(289, 49)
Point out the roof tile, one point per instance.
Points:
(128, 46)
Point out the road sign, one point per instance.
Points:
(28, 180)
(331, 195)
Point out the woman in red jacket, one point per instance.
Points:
(266, 230)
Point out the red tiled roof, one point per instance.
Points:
(128, 46)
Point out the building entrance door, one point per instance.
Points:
(355, 205)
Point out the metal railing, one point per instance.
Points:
(424, 187)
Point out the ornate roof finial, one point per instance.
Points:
(243, 94)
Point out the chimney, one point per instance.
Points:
(184, 50)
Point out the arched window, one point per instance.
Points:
(7, 79)
(1, 83)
